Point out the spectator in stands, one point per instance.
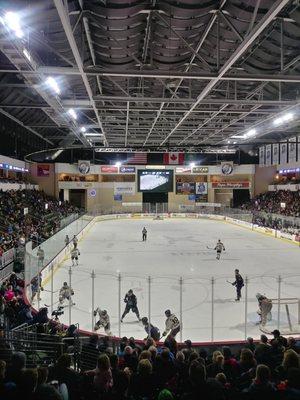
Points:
(291, 387)
(103, 380)
(263, 351)
(89, 353)
(217, 365)
(290, 360)
(282, 341)
(120, 379)
(142, 382)
(16, 367)
(262, 387)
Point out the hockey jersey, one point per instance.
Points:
(75, 253)
(172, 322)
(219, 246)
(103, 319)
(130, 300)
(66, 291)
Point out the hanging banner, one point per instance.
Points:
(292, 150)
(283, 153)
(262, 156)
(201, 187)
(124, 188)
(231, 185)
(275, 158)
(268, 155)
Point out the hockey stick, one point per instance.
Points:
(229, 282)
(210, 248)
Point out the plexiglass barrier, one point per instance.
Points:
(206, 306)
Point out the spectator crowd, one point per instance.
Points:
(38, 224)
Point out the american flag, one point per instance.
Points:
(136, 158)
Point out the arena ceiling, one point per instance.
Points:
(150, 74)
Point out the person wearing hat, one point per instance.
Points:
(131, 304)
(151, 330)
(238, 283)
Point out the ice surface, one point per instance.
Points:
(178, 248)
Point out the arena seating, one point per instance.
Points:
(45, 361)
(38, 224)
(271, 202)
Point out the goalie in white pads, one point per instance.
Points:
(172, 325)
(74, 255)
(65, 293)
(264, 309)
(103, 321)
(219, 247)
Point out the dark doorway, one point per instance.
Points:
(77, 197)
(240, 196)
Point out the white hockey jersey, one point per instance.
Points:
(65, 292)
(103, 319)
(219, 246)
(75, 253)
(172, 322)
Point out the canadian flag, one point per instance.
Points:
(173, 158)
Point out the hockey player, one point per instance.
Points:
(67, 240)
(36, 287)
(238, 283)
(74, 255)
(264, 309)
(172, 324)
(65, 293)
(75, 241)
(131, 304)
(144, 234)
(219, 247)
(103, 321)
(151, 330)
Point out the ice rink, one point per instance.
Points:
(178, 248)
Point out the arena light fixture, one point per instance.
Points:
(92, 134)
(72, 113)
(51, 82)
(118, 164)
(12, 21)
(83, 129)
(284, 118)
(192, 164)
(27, 54)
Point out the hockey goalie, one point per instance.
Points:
(264, 309)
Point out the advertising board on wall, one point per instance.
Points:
(201, 187)
(231, 185)
(106, 169)
(127, 170)
(43, 170)
(124, 188)
(185, 187)
(200, 170)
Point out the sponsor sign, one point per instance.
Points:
(127, 170)
(209, 205)
(43, 170)
(200, 170)
(75, 185)
(186, 207)
(84, 166)
(183, 170)
(117, 197)
(185, 187)
(109, 170)
(124, 188)
(227, 168)
(286, 235)
(201, 198)
(191, 197)
(230, 185)
(201, 187)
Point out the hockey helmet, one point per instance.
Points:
(259, 296)
(236, 270)
(145, 320)
(167, 313)
(130, 291)
(103, 312)
(65, 284)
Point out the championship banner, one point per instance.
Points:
(262, 156)
(292, 150)
(43, 170)
(227, 168)
(275, 157)
(84, 166)
(124, 188)
(298, 146)
(283, 153)
(268, 155)
(201, 187)
(185, 187)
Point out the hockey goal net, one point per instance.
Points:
(289, 314)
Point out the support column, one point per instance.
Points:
(66, 194)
